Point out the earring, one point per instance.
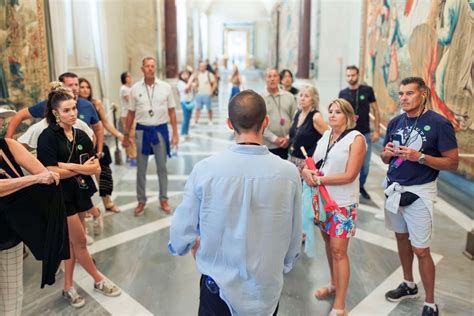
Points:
(58, 120)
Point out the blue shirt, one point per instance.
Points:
(431, 134)
(245, 204)
(85, 111)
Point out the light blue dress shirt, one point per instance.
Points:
(245, 204)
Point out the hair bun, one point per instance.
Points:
(57, 86)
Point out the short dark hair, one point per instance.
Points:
(283, 73)
(247, 110)
(420, 84)
(123, 77)
(67, 75)
(352, 67)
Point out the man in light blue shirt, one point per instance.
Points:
(241, 216)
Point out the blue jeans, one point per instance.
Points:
(186, 119)
(364, 172)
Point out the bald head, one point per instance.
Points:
(247, 110)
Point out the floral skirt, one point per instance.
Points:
(340, 223)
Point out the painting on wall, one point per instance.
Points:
(23, 56)
(429, 39)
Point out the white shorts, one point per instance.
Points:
(414, 219)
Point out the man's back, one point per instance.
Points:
(249, 219)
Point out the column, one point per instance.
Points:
(304, 41)
(171, 41)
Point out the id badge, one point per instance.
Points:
(282, 121)
(151, 113)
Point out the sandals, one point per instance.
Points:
(113, 209)
(325, 292)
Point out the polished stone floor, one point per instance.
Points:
(132, 250)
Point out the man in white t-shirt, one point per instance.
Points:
(127, 81)
(207, 84)
(152, 104)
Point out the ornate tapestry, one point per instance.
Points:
(430, 39)
(23, 56)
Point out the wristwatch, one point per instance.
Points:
(422, 159)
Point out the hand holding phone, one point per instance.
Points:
(397, 142)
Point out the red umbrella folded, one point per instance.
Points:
(330, 204)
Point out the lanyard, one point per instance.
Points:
(330, 146)
(150, 99)
(279, 103)
(407, 136)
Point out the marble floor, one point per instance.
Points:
(132, 250)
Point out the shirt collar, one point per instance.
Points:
(267, 93)
(250, 149)
(154, 84)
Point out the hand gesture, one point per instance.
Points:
(408, 153)
(309, 177)
(174, 140)
(47, 177)
(389, 151)
(126, 142)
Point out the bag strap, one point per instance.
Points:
(9, 163)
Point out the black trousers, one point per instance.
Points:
(280, 152)
(210, 303)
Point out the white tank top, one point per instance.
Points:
(336, 162)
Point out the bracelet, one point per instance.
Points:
(318, 180)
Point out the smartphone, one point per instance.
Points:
(83, 158)
(396, 141)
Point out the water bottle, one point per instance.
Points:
(174, 151)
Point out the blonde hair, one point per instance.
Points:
(348, 111)
(314, 95)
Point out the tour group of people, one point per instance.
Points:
(243, 211)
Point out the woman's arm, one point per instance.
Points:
(319, 124)
(105, 122)
(39, 174)
(357, 153)
(89, 168)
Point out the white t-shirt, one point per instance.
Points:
(124, 91)
(155, 99)
(336, 162)
(183, 95)
(30, 137)
(205, 80)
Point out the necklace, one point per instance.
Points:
(71, 150)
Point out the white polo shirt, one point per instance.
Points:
(157, 98)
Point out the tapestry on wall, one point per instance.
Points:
(23, 56)
(430, 39)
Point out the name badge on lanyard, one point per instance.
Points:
(150, 99)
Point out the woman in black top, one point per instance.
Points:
(307, 128)
(70, 152)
